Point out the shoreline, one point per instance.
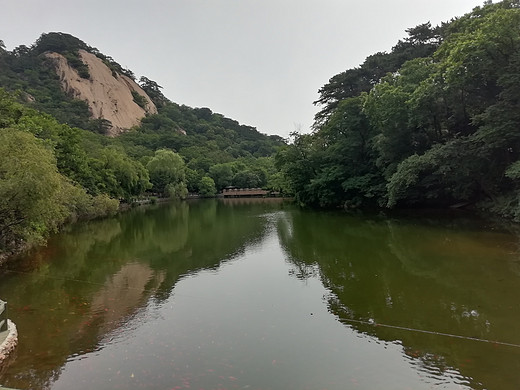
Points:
(419, 212)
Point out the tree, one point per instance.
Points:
(298, 165)
(31, 205)
(207, 187)
(247, 179)
(348, 169)
(123, 177)
(387, 107)
(222, 175)
(422, 41)
(167, 173)
(99, 125)
(193, 178)
(58, 42)
(153, 90)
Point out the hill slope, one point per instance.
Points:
(108, 94)
(59, 99)
(63, 76)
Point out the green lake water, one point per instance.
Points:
(257, 294)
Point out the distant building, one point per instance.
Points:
(233, 192)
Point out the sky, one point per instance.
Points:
(260, 62)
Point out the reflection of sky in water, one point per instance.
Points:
(249, 324)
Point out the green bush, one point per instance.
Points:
(207, 187)
(140, 100)
(103, 205)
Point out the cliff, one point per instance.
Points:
(107, 93)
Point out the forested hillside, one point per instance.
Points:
(434, 122)
(57, 164)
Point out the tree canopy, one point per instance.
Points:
(167, 173)
(434, 122)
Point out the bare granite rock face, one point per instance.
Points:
(108, 94)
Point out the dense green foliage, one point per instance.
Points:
(51, 173)
(435, 122)
(56, 165)
(211, 145)
(167, 173)
(207, 187)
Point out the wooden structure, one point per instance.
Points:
(231, 192)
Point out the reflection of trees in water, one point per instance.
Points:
(98, 275)
(429, 277)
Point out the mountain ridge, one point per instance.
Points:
(42, 85)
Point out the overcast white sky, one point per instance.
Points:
(260, 62)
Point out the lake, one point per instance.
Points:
(258, 294)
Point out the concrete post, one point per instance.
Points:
(3, 316)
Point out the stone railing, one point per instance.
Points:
(8, 335)
(3, 316)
